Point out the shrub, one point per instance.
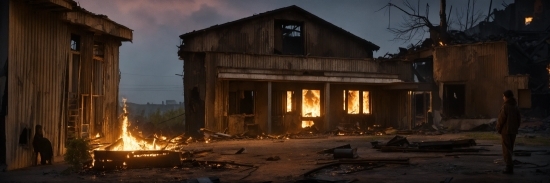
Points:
(77, 152)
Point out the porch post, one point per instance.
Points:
(327, 106)
(269, 107)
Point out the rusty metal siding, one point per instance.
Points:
(279, 62)
(482, 68)
(38, 50)
(256, 36)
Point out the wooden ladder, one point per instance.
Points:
(73, 116)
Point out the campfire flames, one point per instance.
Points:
(353, 102)
(311, 103)
(129, 142)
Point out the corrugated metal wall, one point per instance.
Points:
(481, 68)
(39, 50)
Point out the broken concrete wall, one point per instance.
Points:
(481, 70)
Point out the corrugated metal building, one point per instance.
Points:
(60, 70)
(285, 69)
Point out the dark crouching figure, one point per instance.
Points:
(42, 146)
(507, 125)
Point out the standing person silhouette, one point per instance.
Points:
(507, 126)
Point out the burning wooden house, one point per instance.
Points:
(286, 69)
(60, 70)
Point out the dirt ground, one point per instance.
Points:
(297, 156)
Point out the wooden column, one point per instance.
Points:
(327, 106)
(269, 97)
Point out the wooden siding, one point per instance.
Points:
(482, 68)
(39, 53)
(97, 23)
(279, 62)
(256, 36)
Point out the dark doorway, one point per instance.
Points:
(454, 100)
(241, 102)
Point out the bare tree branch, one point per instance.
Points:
(413, 24)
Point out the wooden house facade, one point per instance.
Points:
(60, 67)
(286, 69)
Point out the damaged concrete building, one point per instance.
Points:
(286, 69)
(60, 70)
(469, 75)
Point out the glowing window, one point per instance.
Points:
(311, 103)
(353, 102)
(289, 101)
(528, 20)
(357, 102)
(366, 102)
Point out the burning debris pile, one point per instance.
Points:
(135, 151)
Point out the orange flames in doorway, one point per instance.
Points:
(311, 103)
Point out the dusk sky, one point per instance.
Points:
(150, 63)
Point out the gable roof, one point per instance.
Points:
(272, 12)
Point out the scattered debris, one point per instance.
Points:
(331, 150)
(345, 153)
(273, 158)
(203, 180)
(470, 154)
(522, 153)
(447, 180)
(519, 164)
(240, 151)
(488, 127)
(360, 166)
(401, 144)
